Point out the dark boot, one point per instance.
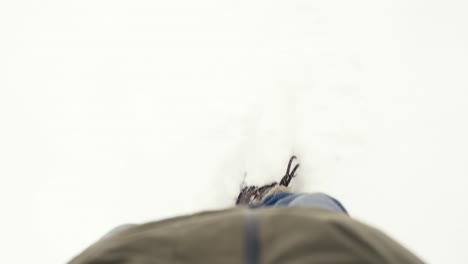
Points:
(254, 194)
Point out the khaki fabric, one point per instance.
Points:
(295, 235)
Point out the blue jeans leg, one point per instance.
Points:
(320, 200)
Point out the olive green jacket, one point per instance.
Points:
(275, 235)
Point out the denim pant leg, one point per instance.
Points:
(320, 200)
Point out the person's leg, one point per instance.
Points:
(278, 199)
(320, 200)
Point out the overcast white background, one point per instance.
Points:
(130, 111)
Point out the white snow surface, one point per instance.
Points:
(118, 112)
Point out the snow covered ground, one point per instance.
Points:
(128, 111)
